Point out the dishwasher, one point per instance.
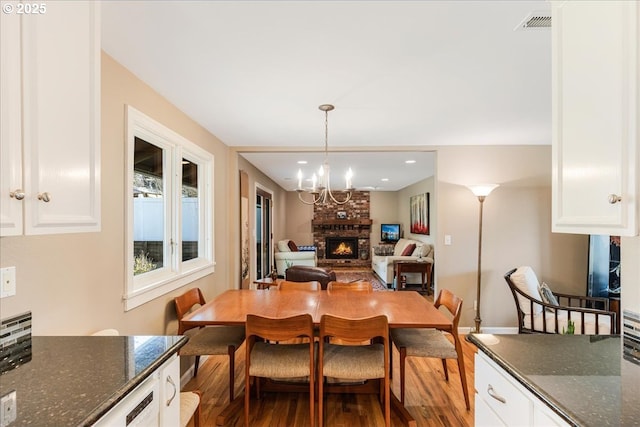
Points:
(140, 408)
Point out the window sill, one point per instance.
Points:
(155, 290)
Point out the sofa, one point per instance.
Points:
(385, 255)
(289, 254)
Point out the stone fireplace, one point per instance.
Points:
(341, 247)
(348, 233)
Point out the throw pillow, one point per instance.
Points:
(526, 280)
(292, 246)
(409, 250)
(547, 295)
(283, 246)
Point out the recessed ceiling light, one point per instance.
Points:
(302, 162)
(384, 179)
(409, 162)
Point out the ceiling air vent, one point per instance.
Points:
(535, 20)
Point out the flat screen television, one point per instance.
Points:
(389, 233)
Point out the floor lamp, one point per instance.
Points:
(481, 191)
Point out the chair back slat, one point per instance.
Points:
(453, 304)
(287, 285)
(359, 286)
(281, 329)
(354, 330)
(185, 303)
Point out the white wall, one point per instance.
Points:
(73, 283)
(516, 228)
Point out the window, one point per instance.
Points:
(169, 210)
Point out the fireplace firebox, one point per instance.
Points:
(341, 248)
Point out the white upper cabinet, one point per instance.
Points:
(50, 138)
(595, 117)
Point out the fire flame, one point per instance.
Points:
(343, 249)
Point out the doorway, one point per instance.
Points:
(264, 207)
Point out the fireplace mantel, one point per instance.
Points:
(365, 221)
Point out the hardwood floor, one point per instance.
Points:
(429, 398)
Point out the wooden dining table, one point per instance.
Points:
(403, 310)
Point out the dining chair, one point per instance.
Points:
(190, 407)
(209, 340)
(351, 360)
(420, 342)
(269, 354)
(360, 286)
(286, 285)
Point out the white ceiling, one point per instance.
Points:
(405, 75)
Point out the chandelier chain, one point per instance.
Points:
(323, 194)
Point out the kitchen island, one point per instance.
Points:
(575, 378)
(76, 380)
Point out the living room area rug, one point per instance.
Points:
(365, 275)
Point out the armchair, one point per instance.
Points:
(303, 273)
(288, 255)
(535, 315)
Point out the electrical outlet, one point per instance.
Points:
(7, 282)
(475, 305)
(447, 239)
(8, 408)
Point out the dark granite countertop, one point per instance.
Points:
(578, 376)
(74, 380)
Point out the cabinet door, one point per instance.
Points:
(10, 126)
(544, 417)
(484, 415)
(595, 116)
(170, 392)
(61, 116)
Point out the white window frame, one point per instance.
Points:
(174, 273)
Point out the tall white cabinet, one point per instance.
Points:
(50, 115)
(596, 81)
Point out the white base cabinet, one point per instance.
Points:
(596, 116)
(50, 115)
(502, 401)
(153, 403)
(170, 392)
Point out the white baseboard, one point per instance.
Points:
(463, 330)
(188, 374)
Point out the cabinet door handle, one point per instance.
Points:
(175, 389)
(45, 197)
(614, 198)
(18, 194)
(493, 394)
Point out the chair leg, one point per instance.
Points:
(387, 402)
(195, 369)
(232, 371)
(312, 398)
(391, 361)
(320, 395)
(403, 356)
(461, 371)
(463, 380)
(444, 368)
(247, 397)
(196, 416)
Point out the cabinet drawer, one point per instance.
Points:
(512, 406)
(484, 415)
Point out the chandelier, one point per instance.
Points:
(320, 192)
